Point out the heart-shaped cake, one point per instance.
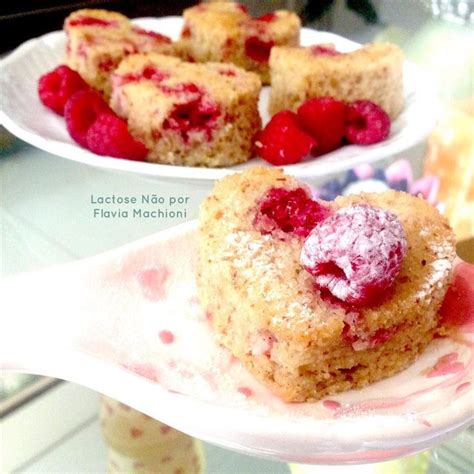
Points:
(319, 297)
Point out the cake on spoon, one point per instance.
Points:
(319, 297)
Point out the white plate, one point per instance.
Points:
(23, 114)
(128, 324)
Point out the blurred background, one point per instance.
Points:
(52, 426)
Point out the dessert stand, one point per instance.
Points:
(22, 113)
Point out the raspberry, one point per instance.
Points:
(324, 119)
(282, 141)
(90, 21)
(292, 211)
(267, 18)
(57, 86)
(150, 73)
(109, 136)
(152, 34)
(324, 50)
(108, 64)
(258, 49)
(360, 340)
(356, 253)
(241, 7)
(227, 72)
(458, 304)
(366, 123)
(195, 114)
(186, 31)
(81, 111)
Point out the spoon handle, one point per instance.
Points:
(61, 312)
(38, 324)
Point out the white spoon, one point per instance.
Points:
(127, 324)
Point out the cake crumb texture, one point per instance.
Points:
(265, 308)
(224, 32)
(373, 72)
(188, 114)
(97, 40)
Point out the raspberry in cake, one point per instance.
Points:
(320, 297)
(188, 114)
(224, 32)
(97, 40)
(374, 72)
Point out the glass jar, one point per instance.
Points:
(139, 444)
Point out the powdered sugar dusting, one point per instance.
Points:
(437, 271)
(258, 259)
(356, 253)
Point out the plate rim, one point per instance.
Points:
(305, 169)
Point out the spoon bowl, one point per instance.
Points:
(128, 324)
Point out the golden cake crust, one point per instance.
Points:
(94, 50)
(255, 290)
(219, 32)
(147, 105)
(374, 72)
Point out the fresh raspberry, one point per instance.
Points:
(292, 211)
(267, 18)
(324, 118)
(324, 50)
(109, 136)
(356, 253)
(81, 111)
(366, 123)
(56, 86)
(282, 141)
(258, 49)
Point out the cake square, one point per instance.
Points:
(188, 114)
(224, 32)
(373, 72)
(97, 40)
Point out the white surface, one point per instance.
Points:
(23, 114)
(38, 425)
(84, 451)
(68, 457)
(47, 216)
(91, 320)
